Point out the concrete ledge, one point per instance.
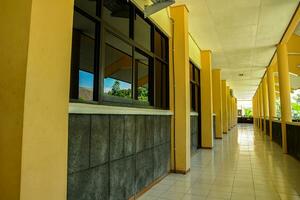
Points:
(194, 114)
(81, 108)
(294, 123)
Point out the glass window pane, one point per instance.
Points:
(143, 77)
(158, 44)
(117, 14)
(197, 79)
(142, 32)
(164, 48)
(87, 5)
(193, 106)
(118, 67)
(197, 96)
(191, 72)
(83, 52)
(165, 89)
(86, 82)
(161, 85)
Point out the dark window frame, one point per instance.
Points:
(101, 26)
(195, 88)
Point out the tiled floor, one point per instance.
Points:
(244, 165)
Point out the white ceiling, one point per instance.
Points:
(242, 35)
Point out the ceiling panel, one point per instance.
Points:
(242, 35)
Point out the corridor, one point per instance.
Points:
(244, 165)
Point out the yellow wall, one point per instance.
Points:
(14, 39)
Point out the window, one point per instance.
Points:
(142, 32)
(127, 65)
(144, 75)
(117, 14)
(161, 84)
(88, 6)
(83, 57)
(118, 67)
(160, 47)
(195, 88)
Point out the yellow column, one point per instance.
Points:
(217, 101)
(271, 92)
(253, 109)
(224, 107)
(256, 111)
(206, 100)
(229, 108)
(35, 40)
(261, 103)
(256, 108)
(259, 108)
(182, 89)
(233, 112)
(265, 102)
(285, 89)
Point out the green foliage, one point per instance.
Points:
(118, 92)
(143, 94)
(248, 112)
(296, 107)
(278, 108)
(126, 93)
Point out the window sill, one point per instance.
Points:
(293, 123)
(82, 108)
(194, 113)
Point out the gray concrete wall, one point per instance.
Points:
(116, 156)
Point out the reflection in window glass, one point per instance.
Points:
(142, 66)
(191, 72)
(192, 95)
(87, 5)
(197, 74)
(83, 51)
(295, 95)
(161, 85)
(278, 106)
(195, 87)
(295, 103)
(117, 13)
(86, 83)
(118, 67)
(160, 45)
(142, 32)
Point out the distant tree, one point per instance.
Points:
(143, 93)
(248, 112)
(116, 88)
(118, 92)
(296, 106)
(278, 108)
